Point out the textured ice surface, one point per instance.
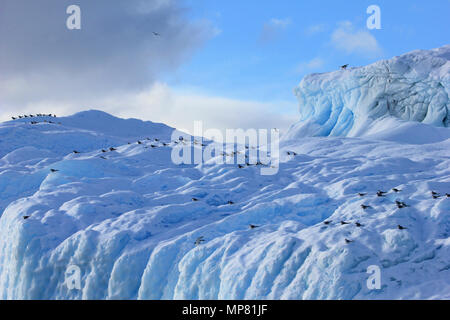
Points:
(129, 222)
(126, 217)
(413, 87)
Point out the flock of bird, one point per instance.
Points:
(200, 240)
(399, 204)
(33, 116)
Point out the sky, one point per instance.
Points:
(230, 64)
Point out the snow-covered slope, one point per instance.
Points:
(128, 221)
(413, 87)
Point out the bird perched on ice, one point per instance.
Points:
(381, 193)
(344, 67)
(401, 204)
(348, 241)
(54, 170)
(365, 207)
(253, 226)
(396, 190)
(199, 241)
(362, 194)
(401, 227)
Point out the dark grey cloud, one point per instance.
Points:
(114, 51)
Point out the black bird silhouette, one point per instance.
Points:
(396, 190)
(26, 217)
(112, 149)
(13, 118)
(103, 150)
(199, 240)
(153, 146)
(253, 226)
(362, 194)
(139, 142)
(75, 151)
(381, 193)
(344, 223)
(344, 67)
(359, 225)
(434, 193)
(103, 157)
(240, 166)
(436, 196)
(448, 195)
(401, 204)
(401, 227)
(230, 202)
(156, 34)
(20, 117)
(327, 222)
(348, 241)
(54, 170)
(194, 199)
(365, 207)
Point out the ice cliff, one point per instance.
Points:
(413, 87)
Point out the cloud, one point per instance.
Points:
(272, 29)
(115, 50)
(315, 29)
(313, 64)
(178, 108)
(345, 38)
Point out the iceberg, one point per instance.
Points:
(124, 220)
(411, 87)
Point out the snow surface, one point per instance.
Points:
(128, 220)
(413, 87)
